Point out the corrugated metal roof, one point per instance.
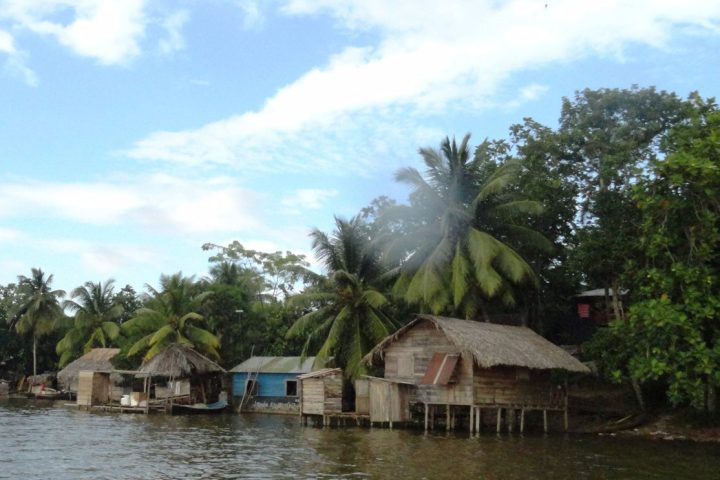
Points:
(275, 365)
(599, 292)
(322, 373)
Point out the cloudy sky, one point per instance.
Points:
(134, 131)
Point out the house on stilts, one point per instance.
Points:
(96, 360)
(450, 369)
(269, 384)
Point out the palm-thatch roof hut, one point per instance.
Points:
(451, 362)
(180, 361)
(188, 372)
(96, 360)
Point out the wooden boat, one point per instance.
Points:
(199, 408)
(45, 393)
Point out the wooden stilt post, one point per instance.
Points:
(499, 419)
(545, 421)
(566, 405)
(426, 417)
(471, 423)
(522, 420)
(510, 413)
(478, 420)
(447, 417)
(432, 417)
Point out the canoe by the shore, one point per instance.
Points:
(199, 408)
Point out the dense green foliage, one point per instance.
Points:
(347, 314)
(96, 313)
(672, 334)
(459, 254)
(170, 316)
(623, 195)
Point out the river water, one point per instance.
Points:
(49, 441)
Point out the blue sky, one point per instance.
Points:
(134, 131)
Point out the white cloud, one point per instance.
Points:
(253, 18)
(15, 62)
(9, 234)
(157, 202)
(430, 58)
(109, 31)
(307, 199)
(107, 260)
(173, 25)
(528, 93)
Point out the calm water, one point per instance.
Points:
(52, 442)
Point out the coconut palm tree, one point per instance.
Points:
(463, 216)
(346, 318)
(170, 316)
(95, 323)
(40, 308)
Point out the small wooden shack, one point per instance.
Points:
(452, 366)
(96, 360)
(269, 384)
(189, 377)
(321, 394)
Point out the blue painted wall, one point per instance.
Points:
(269, 384)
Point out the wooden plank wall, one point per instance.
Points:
(408, 358)
(322, 396)
(516, 386)
(333, 393)
(85, 388)
(313, 396)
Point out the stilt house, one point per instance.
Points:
(96, 360)
(452, 366)
(321, 393)
(189, 376)
(271, 382)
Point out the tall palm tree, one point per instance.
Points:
(347, 317)
(95, 323)
(40, 308)
(170, 316)
(463, 216)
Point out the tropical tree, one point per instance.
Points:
(95, 323)
(346, 315)
(39, 310)
(170, 315)
(610, 137)
(671, 334)
(459, 255)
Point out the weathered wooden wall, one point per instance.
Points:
(516, 386)
(408, 358)
(362, 396)
(85, 388)
(93, 388)
(322, 395)
(388, 401)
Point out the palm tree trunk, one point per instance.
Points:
(34, 355)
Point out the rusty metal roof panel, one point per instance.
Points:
(440, 369)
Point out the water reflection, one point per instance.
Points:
(42, 440)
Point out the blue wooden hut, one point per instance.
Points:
(269, 383)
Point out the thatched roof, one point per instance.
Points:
(492, 345)
(96, 360)
(179, 361)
